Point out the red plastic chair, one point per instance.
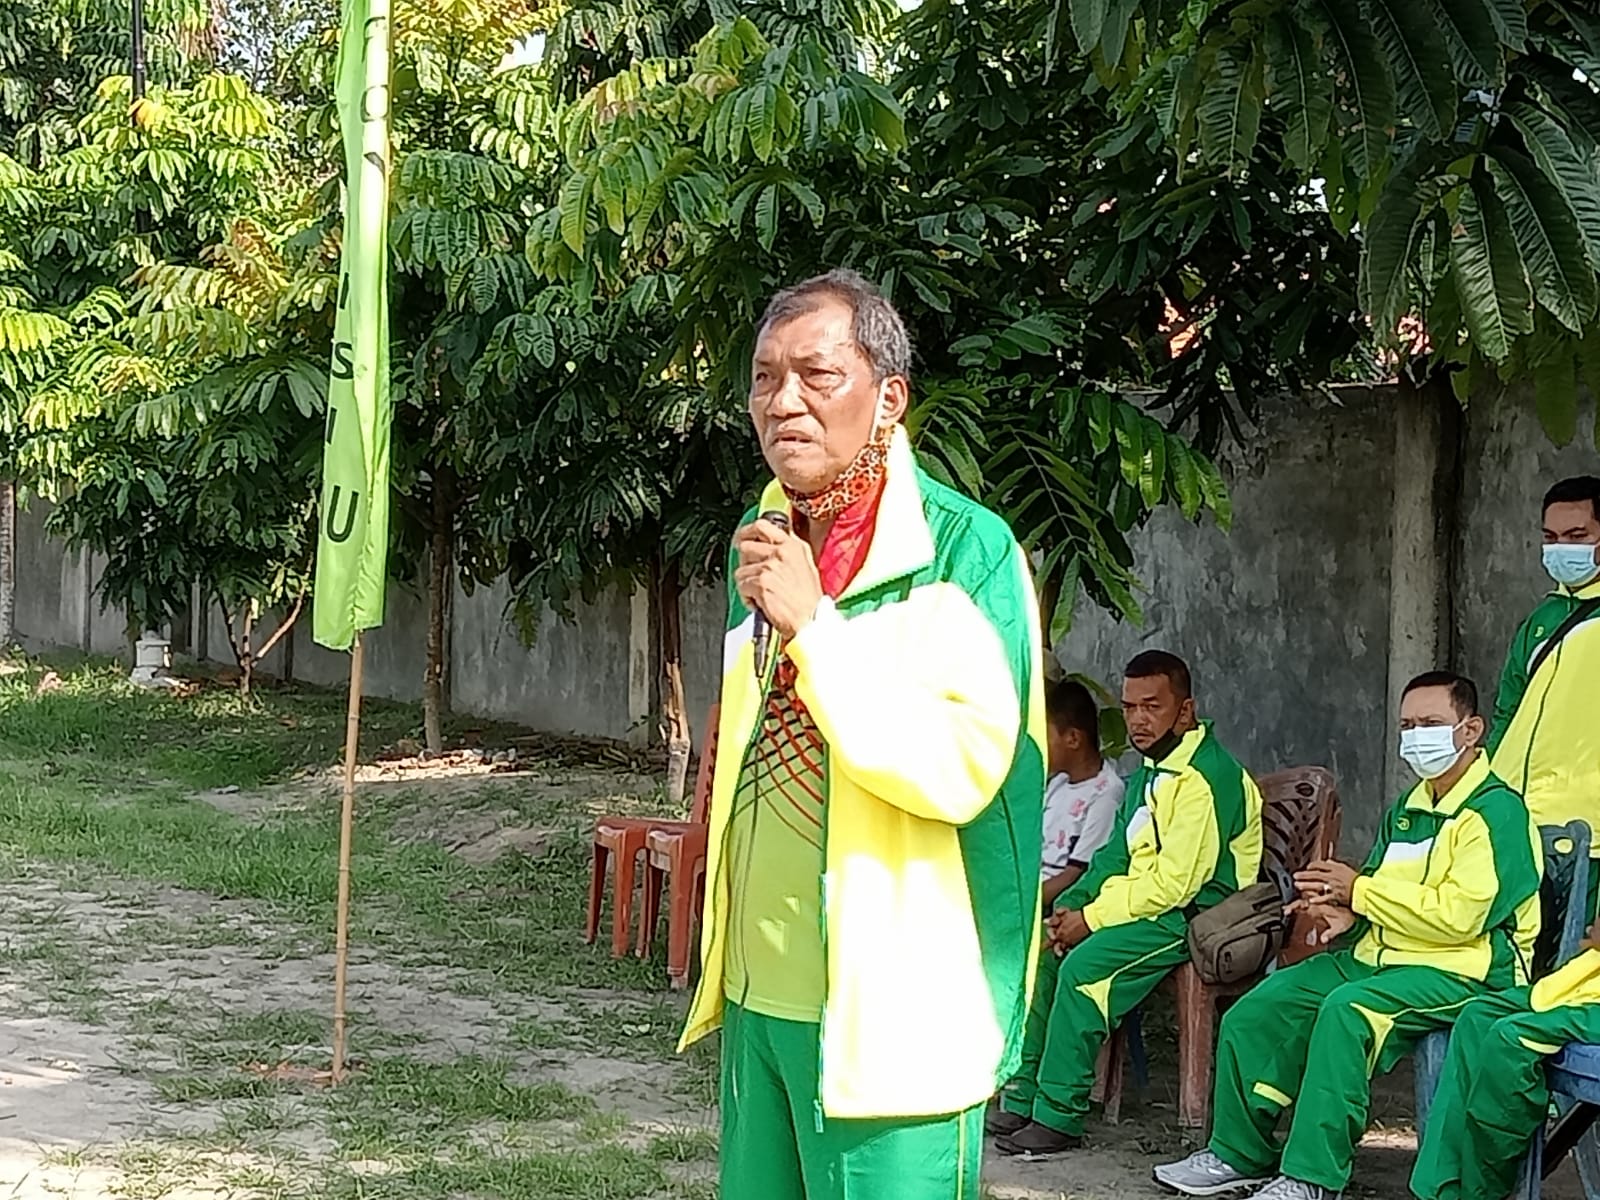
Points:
(1301, 819)
(677, 858)
(624, 838)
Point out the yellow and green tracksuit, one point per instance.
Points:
(1189, 836)
(923, 680)
(1546, 738)
(1449, 901)
(1492, 1094)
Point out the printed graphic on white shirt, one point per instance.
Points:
(1078, 818)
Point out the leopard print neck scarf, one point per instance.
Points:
(863, 474)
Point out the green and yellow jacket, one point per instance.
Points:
(925, 681)
(1546, 735)
(1190, 837)
(1454, 884)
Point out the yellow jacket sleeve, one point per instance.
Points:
(925, 718)
(1188, 844)
(1447, 915)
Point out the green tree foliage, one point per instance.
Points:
(54, 55)
(714, 179)
(177, 434)
(1460, 137)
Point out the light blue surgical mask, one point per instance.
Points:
(1571, 565)
(1430, 750)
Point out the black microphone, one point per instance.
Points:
(761, 627)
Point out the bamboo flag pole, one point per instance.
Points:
(341, 938)
(353, 537)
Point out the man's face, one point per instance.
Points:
(1571, 523)
(1433, 707)
(1153, 709)
(813, 398)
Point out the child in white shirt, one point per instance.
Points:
(1081, 799)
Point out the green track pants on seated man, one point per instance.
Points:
(1492, 1094)
(1077, 1001)
(776, 1145)
(1313, 1035)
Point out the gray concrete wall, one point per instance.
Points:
(1291, 620)
(705, 617)
(56, 601)
(52, 584)
(573, 679)
(1285, 619)
(1508, 465)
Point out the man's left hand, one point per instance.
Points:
(777, 574)
(1326, 882)
(1068, 928)
(1332, 921)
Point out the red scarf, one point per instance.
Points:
(845, 547)
(844, 550)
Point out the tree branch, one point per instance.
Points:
(284, 626)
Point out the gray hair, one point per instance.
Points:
(878, 329)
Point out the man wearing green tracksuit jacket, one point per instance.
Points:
(1189, 835)
(1446, 909)
(1492, 1093)
(872, 869)
(1546, 740)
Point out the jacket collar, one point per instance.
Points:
(1589, 591)
(1477, 775)
(902, 543)
(1181, 757)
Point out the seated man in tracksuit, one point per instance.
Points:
(1188, 835)
(1445, 910)
(1492, 1094)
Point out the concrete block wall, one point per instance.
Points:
(1284, 619)
(1372, 537)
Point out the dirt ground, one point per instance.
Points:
(137, 1022)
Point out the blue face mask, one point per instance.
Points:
(1429, 750)
(1571, 566)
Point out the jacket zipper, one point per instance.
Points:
(822, 919)
(1538, 720)
(724, 881)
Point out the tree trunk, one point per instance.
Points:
(284, 630)
(435, 694)
(8, 563)
(246, 657)
(674, 709)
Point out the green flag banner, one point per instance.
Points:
(353, 524)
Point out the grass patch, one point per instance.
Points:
(463, 1091)
(100, 779)
(63, 753)
(66, 974)
(97, 724)
(685, 1146)
(603, 1173)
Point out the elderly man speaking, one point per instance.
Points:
(872, 885)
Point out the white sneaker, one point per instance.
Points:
(1284, 1188)
(1204, 1174)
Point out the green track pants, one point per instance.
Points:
(1077, 1001)
(1492, 1095)
(777, 1146)
(1314, 1035)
